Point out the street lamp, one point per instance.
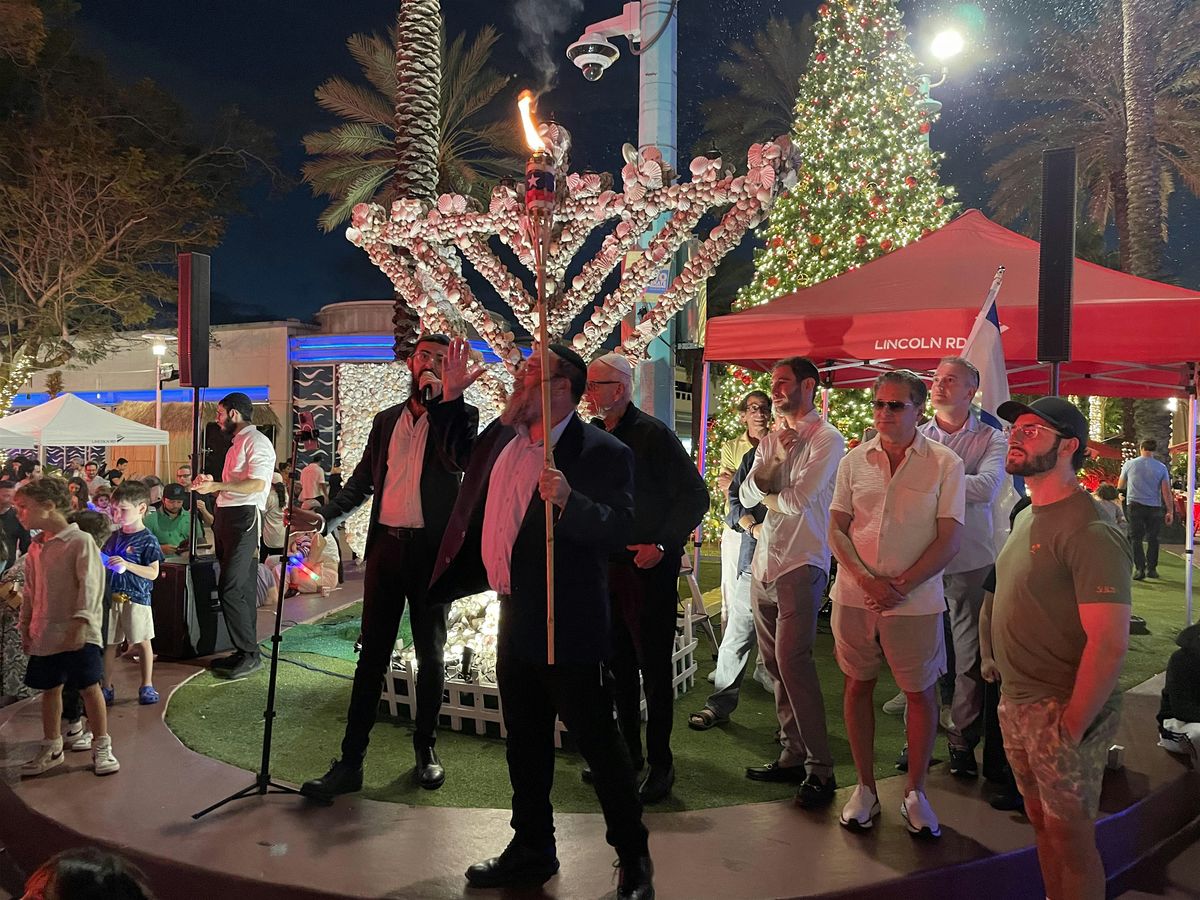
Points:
(158, 346)
(946, 45)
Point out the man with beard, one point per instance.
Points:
(1060, 630)
(792, 476)
(497, 537)
(241, 500)
(670, 499)
(412, 464)
(896, 520)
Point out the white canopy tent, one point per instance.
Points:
(67, 421)
(10, 440)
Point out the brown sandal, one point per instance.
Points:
(705, 719)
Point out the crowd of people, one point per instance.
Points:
(898, 532)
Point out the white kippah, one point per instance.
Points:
(617, 362)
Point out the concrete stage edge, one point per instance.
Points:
(281, 847)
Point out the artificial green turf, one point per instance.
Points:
(224, 720)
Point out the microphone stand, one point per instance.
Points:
(263, 783)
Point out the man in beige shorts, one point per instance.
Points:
(1060, 629)
(895, 521)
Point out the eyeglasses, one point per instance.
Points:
(1029, 432)
(893, 405)
(757, 408)
(428, 356)
(592, 385)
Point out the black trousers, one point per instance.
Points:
(235, 529)
(531, 695)
(644, 603)
(398, 570)
(1144, 523)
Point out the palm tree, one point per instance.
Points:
(765, 78)
(1078, 92)
(378, 156)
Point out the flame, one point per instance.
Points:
(532, 138)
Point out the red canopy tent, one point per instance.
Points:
(1131, 337)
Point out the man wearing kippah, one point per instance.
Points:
(670, 499)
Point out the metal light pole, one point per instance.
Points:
(651, 29)
(946, 45)
(160, 350)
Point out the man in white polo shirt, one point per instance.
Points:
(895, 522)
(241, 500)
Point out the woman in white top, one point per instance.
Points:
(273, 528)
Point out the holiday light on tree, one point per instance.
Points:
(868, 184)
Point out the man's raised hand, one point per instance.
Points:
(458, 372)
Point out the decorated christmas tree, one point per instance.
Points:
(868, 184)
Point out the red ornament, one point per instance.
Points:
(924, 128)
(860, 241)
(822, 56)
(876, 200)
(773, 281)
(885, 245)
(864, 21)
(910, 182)
(776, 242)
(823, 9)
(925, 232)
(939, 201)
(815, 240)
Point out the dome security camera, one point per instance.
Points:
(592, 54)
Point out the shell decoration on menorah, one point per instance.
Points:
(428, 274)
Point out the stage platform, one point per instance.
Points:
(280, 846)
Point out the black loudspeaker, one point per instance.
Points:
(187, 613)
(1056, 262)
(194, 282)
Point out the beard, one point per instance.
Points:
(524, 406)
(1033, 465)
(229, 427)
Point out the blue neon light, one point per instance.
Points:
(256, 393)
(359, 348)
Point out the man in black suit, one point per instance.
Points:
(412, 465)
(670, 499)
(497, 536)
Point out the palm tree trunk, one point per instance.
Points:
(1141, 151)
(418, 127)
(1120, 194)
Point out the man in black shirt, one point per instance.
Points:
(670, 499)
(15, 536)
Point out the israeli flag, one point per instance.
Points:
(985, 351)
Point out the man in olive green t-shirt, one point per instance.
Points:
(172, 524)
(1059, 630)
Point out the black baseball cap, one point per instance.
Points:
(174, 491)
(1062, 414)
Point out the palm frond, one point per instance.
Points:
(353, 102)
(351, 139)
(376, 56)
(361, 191)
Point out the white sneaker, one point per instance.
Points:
(945, 719)
(896, 706)
(77, 737)
(50, 754)
(859, 813)
(712, 677)
(103, 761)
(919, 816)
(767, 682)
(1177, 742)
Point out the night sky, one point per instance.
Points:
(267, 57)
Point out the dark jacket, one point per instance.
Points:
(595, 521)
(670, 497)
(1181, 694)
(452, 427)
(737, 510)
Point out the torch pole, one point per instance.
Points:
(542, 224)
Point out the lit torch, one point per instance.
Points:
(539, 206)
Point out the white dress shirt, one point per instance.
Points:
(252, 455)
(982, 449)
(400, 496)
(511, 488)
(894, 515)
(798, 534)
(312, 477)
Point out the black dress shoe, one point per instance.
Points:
(340, 779)
(517, 865)
(1152, 573)
(635, 881)
(227, 662)
(816, 792)
(429, 773)
(657, 785)
(248, 664)
(1139, 575)
(1008, 800)
(962, 763)
(776, 773)
(902, 760)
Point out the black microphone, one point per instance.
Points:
(427, 395)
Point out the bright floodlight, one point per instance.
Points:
(947, 44)
(159, 349)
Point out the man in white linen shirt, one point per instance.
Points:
(792, 476)
(241, 499)
(896, 521)
(312, 478)
(982, 448)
